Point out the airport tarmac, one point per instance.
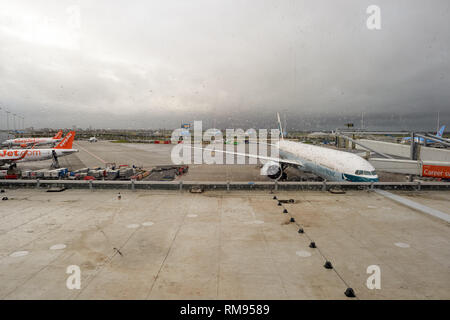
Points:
(219, 245)
(147, 156)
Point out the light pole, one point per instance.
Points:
(7, 120)
(14, 122)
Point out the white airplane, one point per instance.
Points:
(329, 164)
(64, 148)
(92, 139)
(27, 142)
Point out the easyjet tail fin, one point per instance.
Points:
(66, 142)
(58, 135)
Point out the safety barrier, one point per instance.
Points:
(222, 185)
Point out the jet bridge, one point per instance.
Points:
(434, 169)
(404, 151)
(414, 159)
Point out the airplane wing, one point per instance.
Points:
(297, 163)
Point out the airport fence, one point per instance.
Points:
(200, 186)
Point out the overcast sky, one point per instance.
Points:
(152, 64)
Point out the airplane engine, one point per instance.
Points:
(273, 170)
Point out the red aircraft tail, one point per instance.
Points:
(66, 142)
(58, 135)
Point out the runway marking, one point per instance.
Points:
(133, 226)
(415, 205)
(303, 254)
(58, 246)
(402, 245)
(90, 153)
(18, 254)
(254, 222)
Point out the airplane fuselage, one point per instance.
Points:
(8, 155)
(30, 141)
(419, 140)
(330, 164)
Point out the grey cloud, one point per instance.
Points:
(148, 64)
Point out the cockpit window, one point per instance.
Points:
(365, 173)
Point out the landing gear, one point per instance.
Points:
(12, 169)
(55, 163)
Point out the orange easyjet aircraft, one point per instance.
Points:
(64, 148)
(27, 142)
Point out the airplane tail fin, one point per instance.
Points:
(441, 131)
(279, 126)
(58, 135)
(67, 141)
